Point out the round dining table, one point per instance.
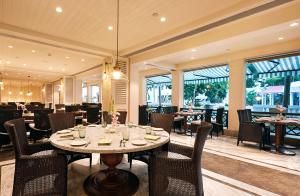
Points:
(187, 114)
(279, 124)
(111, 181)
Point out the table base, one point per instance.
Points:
(124, 183)
(111, 181)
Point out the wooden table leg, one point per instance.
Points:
(111, 181)
(279, 149)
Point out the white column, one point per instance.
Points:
(134, 92)
(237, 91)
(78, 91)
(177, 88)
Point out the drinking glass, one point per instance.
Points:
(148, 130)
(126, 134)
(82, 132)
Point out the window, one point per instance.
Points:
(273, 82)
(206, 88)
(84, 93)
(94, 94)
(159, 90)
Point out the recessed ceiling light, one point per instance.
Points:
(67, 57)
(33, 51)
(280, 38)
(63, 69)
(50, 68)
(82, 60)
(192, 58)
(294, 24)
(194, 50)
(163, 19)
(24, 64)
(7, 62)
(58, 9)
(110, 28)
(10, 46)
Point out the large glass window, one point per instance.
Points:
(84, 93)
(273, 82)
(159, 90)
(94, 94)
(207, 87)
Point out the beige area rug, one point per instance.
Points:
(79, 170)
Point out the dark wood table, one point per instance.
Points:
(185, 115)
(279, 124)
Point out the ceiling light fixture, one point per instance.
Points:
(194, 50)
(82, 60)
(29, 93)
(58, 9)
(50, 68)
(116, 73)
(10, 46)
(24, 64)
(280, 38)
(294, 24)
(7, 62)
(163, 19)
(33, 51)
(67, 57)
(192, 58)
(63, 69)
(110, 28)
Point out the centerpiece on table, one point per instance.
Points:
(114, 115)
(281, 109)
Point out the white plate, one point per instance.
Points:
(64, 131)
(144, 127)
(157, 129)
(139, 142)
(78, 143)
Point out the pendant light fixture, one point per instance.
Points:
(29, 93)
(117, 73)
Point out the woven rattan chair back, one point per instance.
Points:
(92, 114)
(164, 121)
(41, 119)
(17, 131)
(60, 121)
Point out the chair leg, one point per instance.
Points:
(238, 142)
(91, 159)
(211, 132)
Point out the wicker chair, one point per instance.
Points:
(121, 119)
(41, 126)
(39, 170)
(251, 131)
(158, 120)
(92, 113)
(6, 115)
(178, 170)
(61, 121)
(207, 115)
(218, 124)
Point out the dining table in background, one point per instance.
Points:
(185, 116)
(111, 181)
(279, 124)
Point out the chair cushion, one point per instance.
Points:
(178, 118)
(172, 155)
(44, 152)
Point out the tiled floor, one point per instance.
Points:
(249, 152)
(216, 180)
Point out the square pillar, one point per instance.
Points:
(237, 91)
(177, 88)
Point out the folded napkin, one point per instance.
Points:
(152, 137)
(66, 135)
(104, 141)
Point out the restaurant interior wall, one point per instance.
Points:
(17, 86)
